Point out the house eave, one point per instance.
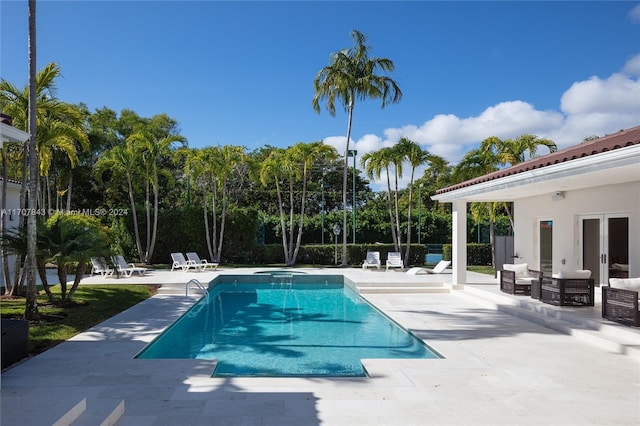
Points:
(11, 134)
(607, 168)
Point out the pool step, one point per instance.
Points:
(610, 337)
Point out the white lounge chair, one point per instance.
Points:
(192, 256)
(180, 262)
(440, 268)
(127, 269)
(394, 260)
(100, 266)
(372, 260)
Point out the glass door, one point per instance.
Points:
(546, 246)
(605, 246)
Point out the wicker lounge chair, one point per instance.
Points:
(573, 288)
(620, 301)
(372, 260)
(518, 278)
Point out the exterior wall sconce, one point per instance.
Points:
(557, 196)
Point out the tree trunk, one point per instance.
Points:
(390, 206)
(206, 227)
(408, 249)
(42, 271)
(155, 222)
(135, 220)
(291, 223)
(214, 218)
(69, 187)
(283, 226)
(223, 214)
(31, 305)
(301, 222)
(62, 277)
(82, 267)
(344, 181)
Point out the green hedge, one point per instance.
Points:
(477, 254)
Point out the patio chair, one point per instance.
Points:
(100, 266)
(620, 301)
(440, 267)
(192, 256)
(394, 260)
(180, 262)
(127, 269)
(372, 260)
(568, 288)
(518, 278)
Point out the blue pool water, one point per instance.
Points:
(285, 330)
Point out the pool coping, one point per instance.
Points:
(477, 373)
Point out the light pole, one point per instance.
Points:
(322, 211)
(336, 232)
(419, 211)
(353, 153)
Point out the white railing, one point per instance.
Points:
(198, 285)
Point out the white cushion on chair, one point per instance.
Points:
(579, 274)
(625, 283)
(521, 269)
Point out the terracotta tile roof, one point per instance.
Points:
(617, 140)
(10, 180)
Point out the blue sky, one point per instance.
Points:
(241, 73)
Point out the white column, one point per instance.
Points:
(459, 243)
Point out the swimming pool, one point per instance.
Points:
(285, 329)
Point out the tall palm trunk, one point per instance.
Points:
(206, 226)
(31, 306)
(390, 206)
(344, 180)
(398, 241)
(301, 222)
(135, 219)
(407, 250)
(223, 214)
(69, 188)
(214, 215)
(283, 226)
(289, 260)
(152, 245)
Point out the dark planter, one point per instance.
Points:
(15, 341)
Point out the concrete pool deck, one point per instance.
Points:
(507, 360)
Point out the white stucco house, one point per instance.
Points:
(578, 208)
(9, 134)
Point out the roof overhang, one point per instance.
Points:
(607, 168)
(11, 134)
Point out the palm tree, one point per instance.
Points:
(517, 150)
(374, 163)
(352, 75)
(276, 168)
(308, 154)
(150, 149)
(122, 163)
(31, 305)
(413, 153)
(492, 153)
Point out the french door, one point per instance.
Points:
(604, 240)
(545, 245)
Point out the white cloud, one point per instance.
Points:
(595, 106)
(632, 67)
(634, 14)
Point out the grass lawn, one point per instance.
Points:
(93, 304)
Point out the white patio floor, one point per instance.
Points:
(504, 363)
